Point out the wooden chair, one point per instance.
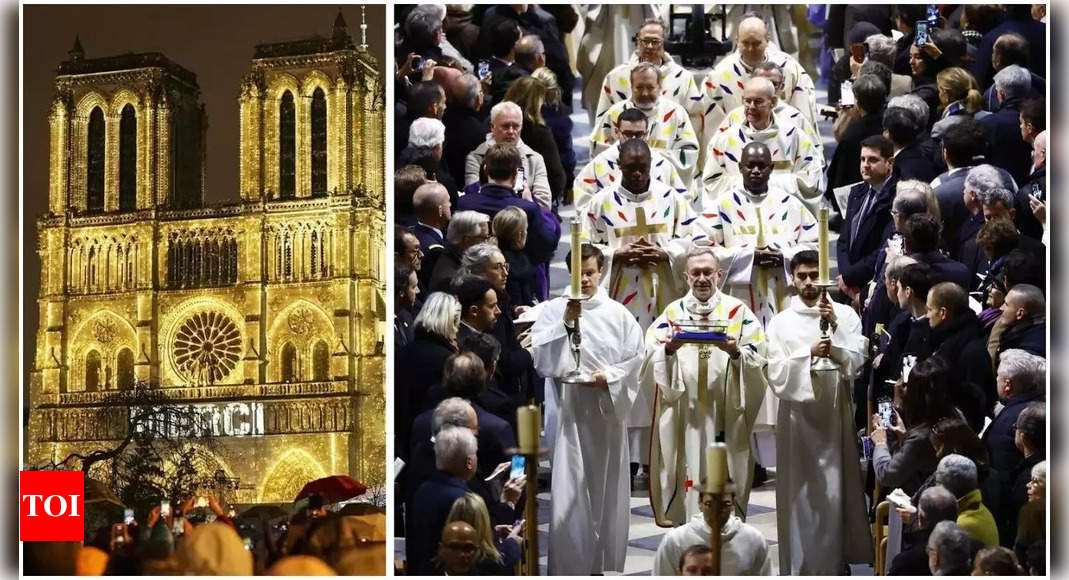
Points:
(879, 536)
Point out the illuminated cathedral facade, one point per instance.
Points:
(267, 313)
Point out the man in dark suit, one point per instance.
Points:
(530, 55)
(478, 306)
(911, 162)
(465, 124)
(432, 208)
(1007, 148)
(957, 337)
(920, 235)
(995, 203)
(868, 216)
(1018, 19)
(406, 286)
(455, 457)
(962, 143)
(502, 162)
(936, 505)
(1012, 48)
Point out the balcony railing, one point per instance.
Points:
(221, 392)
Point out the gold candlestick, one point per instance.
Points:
(529, 427)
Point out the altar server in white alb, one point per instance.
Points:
(705, 392)
(590, 481)
(820, 505)
(743, 549)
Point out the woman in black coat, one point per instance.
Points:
(419, 364)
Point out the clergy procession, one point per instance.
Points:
(754, 291)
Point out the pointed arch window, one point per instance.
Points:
(287, 147)
(92, 371)
(319, 143)
(321, 361)
(128, 159)
(94, 163)
(126, 369)
(289, 363)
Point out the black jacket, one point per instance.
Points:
(1005, 147)
(540, 139)
(1013, 497)
(999, 435)
(1024, 219)
(913, 163)
(857, 255)
(960, 341)
(465, 129)
(843, 169)
(1028, 334)
(417, 367)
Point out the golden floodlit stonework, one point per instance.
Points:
(270, 308)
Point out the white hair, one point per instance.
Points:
(1039, 471)
(1013, 81)
(882, 49)
(464, 223)
(426, 132)
(984, 177)
(452, 412)
(453, 446)
(440, 315)
(912, 103)
(476, 258)
(762, 84)
(506, 106)
(1026, 371)
(957, 473)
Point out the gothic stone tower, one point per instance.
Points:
(266, 313)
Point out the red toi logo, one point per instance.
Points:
(51, 506)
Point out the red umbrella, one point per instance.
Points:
(333, 488)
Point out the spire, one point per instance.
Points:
(341, 30)
(363, 28)
(76, 52)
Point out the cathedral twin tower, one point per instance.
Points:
(268, 311)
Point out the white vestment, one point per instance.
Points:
(603, 171)
(590, 478)
(668, 130)
(820, 505)
(616, 217)
(743, 549)
(740, 222)
(723, 86)
(797, 165)
(677, 84)
(782, 110)
(700, 392)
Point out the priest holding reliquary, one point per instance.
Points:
(705, 354)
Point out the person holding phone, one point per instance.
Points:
(925, 401)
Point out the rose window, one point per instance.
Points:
(207, 347)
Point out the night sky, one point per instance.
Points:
(214, 42)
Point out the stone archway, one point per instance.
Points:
(289, 473)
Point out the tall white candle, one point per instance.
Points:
(716, 468)
(577, 259)
(528, 427)
(822, 232)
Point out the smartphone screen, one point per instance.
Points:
(202, 501)
(846, 94)
(933, 15)
(922, 33)
(519, 463)
(884, 409)
(857, 51)
(128, 516)
(417, 64)
(165, 508)
(484, 69)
